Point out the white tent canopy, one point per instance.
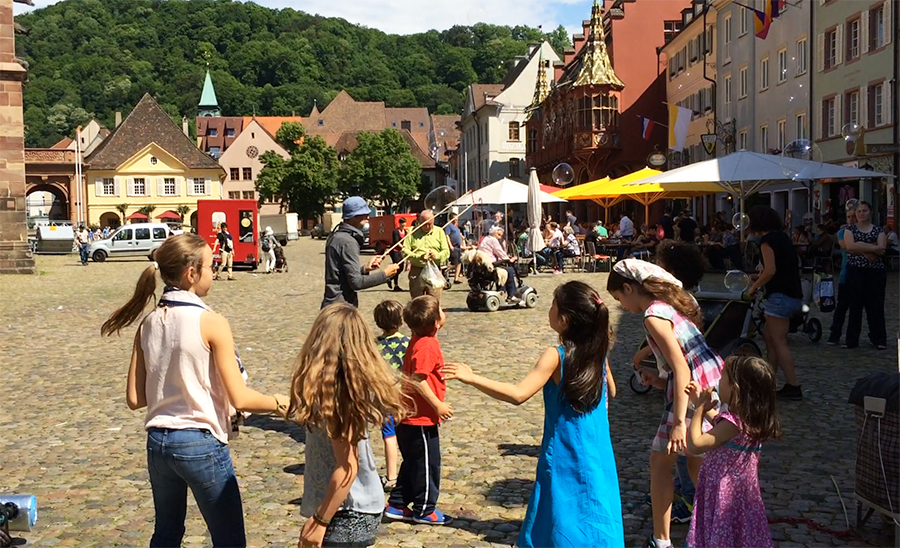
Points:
(505, 191)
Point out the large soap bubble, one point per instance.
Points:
(439, 198)
(851, 131)
(740, 221)
(737, 281)
(851, 204)
(801, 160)
(563, 174)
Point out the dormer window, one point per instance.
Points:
(229, 132)
(213, 132)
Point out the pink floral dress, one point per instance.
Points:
(728, 507)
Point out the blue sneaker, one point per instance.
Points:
(398, 514)
(435, 518)
(681, 510)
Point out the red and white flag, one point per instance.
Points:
(648, 127)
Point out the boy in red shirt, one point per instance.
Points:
(418, 482)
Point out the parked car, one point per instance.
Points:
(135, 240)
(318, 232)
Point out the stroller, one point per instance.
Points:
(280, 261)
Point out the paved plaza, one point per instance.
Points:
(67, 436)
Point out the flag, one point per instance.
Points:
(679, 120)
(762, 20)
(647, 127)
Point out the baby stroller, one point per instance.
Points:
(801, 322)
(280, 261)
(486, 291)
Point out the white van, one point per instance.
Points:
(135, 240)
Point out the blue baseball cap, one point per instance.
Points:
(354, 206)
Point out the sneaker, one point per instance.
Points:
(681, 511)
(434, 518)
(651, 543)
(557, 271)
(398, 514)
(398, 288)
(833, 342)
(790, 392)
(513, 300)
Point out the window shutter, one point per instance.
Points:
(838, 114)
(178, 186)
(864, 31)
(207, 187)
(130, 182)
(887, 27)
(820, 52)
(887, 109)
(819, 130)
(839, 45)
(117, 186)
(98, 187)
(160, 186)
(864, 106)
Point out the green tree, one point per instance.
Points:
(182, 210)
(147, 209)
(381, 168)
(122, 209)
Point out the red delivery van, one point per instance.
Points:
(381, 229)
(242, 218)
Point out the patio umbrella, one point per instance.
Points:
(580, 190)
(137, 216)
(504, 191)
(169, 215)
(534, 213)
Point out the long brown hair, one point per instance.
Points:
(753, 396)
(173, 257)
(341, 384)
(674, 296)
(586, 340)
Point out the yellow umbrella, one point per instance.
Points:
(653, 192)
(576, 192)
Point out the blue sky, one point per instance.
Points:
(410, 16)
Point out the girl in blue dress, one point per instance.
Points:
(575, 501)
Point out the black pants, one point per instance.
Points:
(419, 480)
(867, 287)
(840, 312)
(394, 280)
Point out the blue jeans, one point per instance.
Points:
(178, 459)
(83, 251)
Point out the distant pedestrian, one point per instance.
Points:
(397, 252)
(268, 245)
(83, 241)
(184, 370)
(225, 247)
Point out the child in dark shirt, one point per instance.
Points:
(392, 345)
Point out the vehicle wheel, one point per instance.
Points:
(531, 300)
(472, 303)
(814, 329)
(99, 256)
(636, 386)
(741, 347)
(492, 303)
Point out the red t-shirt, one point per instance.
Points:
(423, 357)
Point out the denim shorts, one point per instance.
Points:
(389, 428)
(779, 305)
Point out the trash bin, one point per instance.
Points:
(876, 406)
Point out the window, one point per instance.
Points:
(828, 117)
(670, 29)
(109, 186)
(852, 101)
(123, 235)
(745, 20)
(215, 152)
(513, 167)
(742, 140)
(160, 233)
(169, 186)
(876, 32)
(743, 82)
(513, 131)
(321, 122)
(248, 195)
(764, 74)
(140, 187)
(763, 139)
(726, 22)
(801, 126)
(248, 174)
(234, 194)
(235, 174)
(830, 48)
(229, 132)
(782, 138)
(878, 104)
(853, 39)
(199, 186)
(153, 160)
(727, 90)
(782, 65)
(802, 56)
(213, 132)
(141, 233)
(709, 40)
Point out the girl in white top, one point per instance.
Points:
(184, 369)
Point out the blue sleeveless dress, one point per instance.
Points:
(575, 501)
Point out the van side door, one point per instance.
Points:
(142, 241)
(121, 243)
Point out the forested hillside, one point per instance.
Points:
(92, 57)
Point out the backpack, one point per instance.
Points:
(266, 247)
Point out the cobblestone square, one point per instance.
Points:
(67, 436)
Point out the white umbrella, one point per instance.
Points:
(534, 214)
(504, 191)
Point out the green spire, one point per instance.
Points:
(209, 105)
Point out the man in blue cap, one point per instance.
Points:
(343, 274)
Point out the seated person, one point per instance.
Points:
(493, 245)
(602, 233)
(554, 242)
(823, 243)
(643, 244)
(570, 248)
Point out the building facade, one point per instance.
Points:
(242, 165)
(148, 160)
(493, 139)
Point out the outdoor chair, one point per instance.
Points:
(597, 257)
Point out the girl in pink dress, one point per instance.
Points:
(728, 507)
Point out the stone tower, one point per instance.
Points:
(15, 254)
(209, 105)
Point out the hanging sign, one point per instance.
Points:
(657, 159)
(709, 142)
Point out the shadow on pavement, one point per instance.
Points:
(278, 425)
(492, 530)
(510, 493)
(508, 449)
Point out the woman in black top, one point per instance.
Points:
(784, 294)
(866, 278)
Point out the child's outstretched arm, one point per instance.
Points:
(664, 337)
(504, 391)
(610, 381)
(699, 442)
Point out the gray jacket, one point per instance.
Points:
(344, 276)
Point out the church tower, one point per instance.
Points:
(209, 105)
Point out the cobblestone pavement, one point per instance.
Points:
(67, 436)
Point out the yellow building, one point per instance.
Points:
(148, 160)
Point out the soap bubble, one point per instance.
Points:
(851, 204)
(440, 198)
(809, 156)
(737, 281)
(740, 221)
(851, 131)
(434, 151)
(563, 174)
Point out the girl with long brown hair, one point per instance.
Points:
(184, 370)
(575, 501)
(342, 386)
(671, 316)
